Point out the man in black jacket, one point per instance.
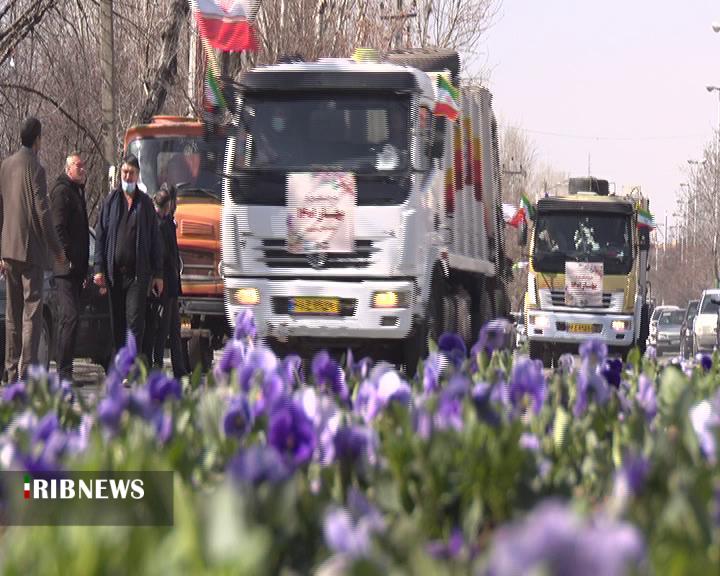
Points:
(163, 314)
(69, 214)
(128, 253)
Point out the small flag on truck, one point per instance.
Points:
(447, 100)
(645, 219)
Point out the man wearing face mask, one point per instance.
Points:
(71, 223)
(128, 253)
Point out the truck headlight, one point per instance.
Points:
(532, 290)
(620, 325)
(389, 299)
(246, 296)
(541, 322)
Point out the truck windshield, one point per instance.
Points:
(361, 133)
(583, 237)
(178, 161)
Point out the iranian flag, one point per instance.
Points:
(213, 94)
(513, 216)
(527, 206)
(26, 487)
(645, 219)
(227, 24)
(447, 100)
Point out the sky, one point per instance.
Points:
(622, 81)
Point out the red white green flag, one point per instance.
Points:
(227, 24)
(447, 100)
(645, 219)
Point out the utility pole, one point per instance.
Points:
(107, 92)
(404, 27)
(192, 64)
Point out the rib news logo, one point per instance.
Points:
(87, 498)
(88, 489)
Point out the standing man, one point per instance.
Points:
(26, 234)
(69, 213)
(128, 253)
(163, 312)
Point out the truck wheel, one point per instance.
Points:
(415, 346)
(482, 307)
(104, 361)
(537, 350)
(199, 352)
(428, 60)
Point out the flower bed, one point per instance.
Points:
(481, 465)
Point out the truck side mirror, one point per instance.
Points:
(522, 241)
(438, 139)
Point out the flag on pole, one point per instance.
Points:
(227, 24)
(528, 206)
(447, 100)
(213, 94)
(514, 216)
(645, 219)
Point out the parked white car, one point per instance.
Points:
(705, 325)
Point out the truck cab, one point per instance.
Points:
(587, 272)
(354, 215)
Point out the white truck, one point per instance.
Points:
(354, 215)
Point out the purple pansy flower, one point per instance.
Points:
(291, 432)
(527, 381)
(258, 464)
(646, 397)
(447, 550)
(453, 347)
(245, 325)
(328, 374)
(553, 538)
(15, 392)
(238, 420)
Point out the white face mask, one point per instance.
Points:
(128, 187)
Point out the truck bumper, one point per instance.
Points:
(358, 319)
(705, 342)
(204, 317)
(555, 327)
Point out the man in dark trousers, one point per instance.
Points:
(71, 222)
(27, 237)
(128, 253)
(163, 312)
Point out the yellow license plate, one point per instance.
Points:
(581, 328)
(314, 305)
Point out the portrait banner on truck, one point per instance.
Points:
(321, 212)
(583, 283)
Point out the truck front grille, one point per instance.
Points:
(555, 299)
(275, 255)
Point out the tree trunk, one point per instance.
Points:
(166, 73)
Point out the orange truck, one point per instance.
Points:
(172, 149)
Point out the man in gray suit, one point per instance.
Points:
(26, 234)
